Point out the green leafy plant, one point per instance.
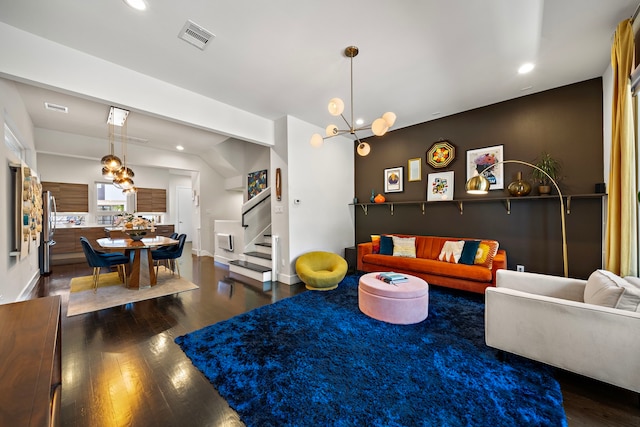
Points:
(548, 164)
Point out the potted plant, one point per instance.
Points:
(551, 166)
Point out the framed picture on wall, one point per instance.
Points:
(393, 180)
(441, 154)
(440, 186)
(481, 159)
(256, 182)
(414, 170)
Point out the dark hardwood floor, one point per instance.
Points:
(120, 366)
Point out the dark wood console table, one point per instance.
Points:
(30, 374)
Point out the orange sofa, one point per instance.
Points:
(474, 278)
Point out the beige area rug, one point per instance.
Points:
(115, 294)
(85, 283)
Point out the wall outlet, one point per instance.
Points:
(520, 268)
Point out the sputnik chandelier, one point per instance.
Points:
(379, 127)
(112, 167)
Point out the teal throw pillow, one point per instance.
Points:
(469, 250)
(386, 245)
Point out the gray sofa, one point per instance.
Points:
(545, 318)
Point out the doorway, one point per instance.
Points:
(184, 223)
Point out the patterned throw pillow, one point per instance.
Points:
(404, 246)
(451, 251)
(469, 252)
(386, 245)
(487, 250)
(375, 243)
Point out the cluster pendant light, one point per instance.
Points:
(112, 167)
(379, 127)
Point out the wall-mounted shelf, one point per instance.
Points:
(506, 200)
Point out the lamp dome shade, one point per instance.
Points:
(332, 130)
(379, 126)
(111, 162)
(124, 173)
(124, 183)
(389, 117)
(336, 106)
(363, 149)
(316, 140)
(477, 185)
(107, 173)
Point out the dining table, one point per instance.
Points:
(140, 271)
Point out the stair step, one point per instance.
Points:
(250, 266)
(265, 244)
(259, 255)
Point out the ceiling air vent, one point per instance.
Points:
(196, 35)
(55, 107)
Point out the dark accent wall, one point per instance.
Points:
(566, 122)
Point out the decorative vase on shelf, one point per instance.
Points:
(544, 190)
(519, 187)
(379, 199)
(373, 196)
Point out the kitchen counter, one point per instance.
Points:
(69, 250)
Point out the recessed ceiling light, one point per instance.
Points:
(525, 68)
(437, 113)
(179, 147)
(136, 4)
(359, 121)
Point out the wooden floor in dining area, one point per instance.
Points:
(120, 366)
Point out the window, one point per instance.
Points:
(12, 143)
(110, 202)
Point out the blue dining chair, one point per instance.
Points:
(97, 260)
(173, 236)
(169, 254)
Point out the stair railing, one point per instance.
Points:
(258, 200)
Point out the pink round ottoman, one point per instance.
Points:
(403, 304)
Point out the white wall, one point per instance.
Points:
(322, 179)
(18, 275)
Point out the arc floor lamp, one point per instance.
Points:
(479, 184)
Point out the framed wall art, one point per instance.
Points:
(256, 182)
(393, 180)
(414, 170)
(481, 159)
(441, 154)
(440, 186)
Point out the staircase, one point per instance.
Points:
(256, 266)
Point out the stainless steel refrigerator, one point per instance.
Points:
(49, 213)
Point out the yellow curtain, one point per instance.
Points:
(621, 252)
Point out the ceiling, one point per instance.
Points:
(422, 59)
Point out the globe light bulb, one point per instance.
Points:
(389, 117)
(332, 130)
(316, 140)
(379, 126)
(363, 149)
(336, 106)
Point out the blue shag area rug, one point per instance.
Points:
(316, 360)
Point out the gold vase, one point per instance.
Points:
(519, 187)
